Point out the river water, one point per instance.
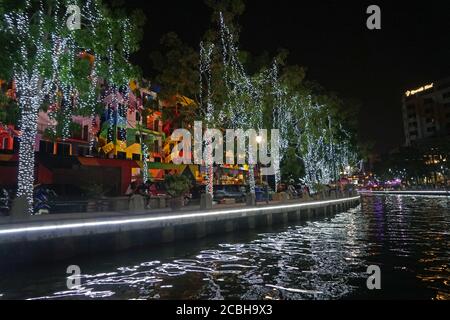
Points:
(407, 237)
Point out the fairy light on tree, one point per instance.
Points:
(282, 118)
(244, 95)
(32, 84)
(144, 148)
(47, 72)
(322, 147)
(207, 105)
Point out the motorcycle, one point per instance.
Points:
(41, 201)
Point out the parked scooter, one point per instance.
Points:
(41, 200)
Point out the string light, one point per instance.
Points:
(31, 88)
(207, 104)
(39, 36)
(144, 162)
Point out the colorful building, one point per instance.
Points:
(109, 148)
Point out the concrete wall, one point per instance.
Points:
(48, 239)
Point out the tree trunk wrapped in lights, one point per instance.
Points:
(47, 70)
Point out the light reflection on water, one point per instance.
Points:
(408, 237)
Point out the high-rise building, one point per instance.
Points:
(426, 113)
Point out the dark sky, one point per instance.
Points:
(330, 38)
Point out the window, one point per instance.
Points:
(413, 133)
(428, 101)
(121, 155)
(410, 107)
(136, 157)
(413, 125)
(46, 147)
(138, 117)
(411, 115)
(16, 144)
(86, 133)
(428, 110)
(430, 120)
(431, 129)
(63, 149)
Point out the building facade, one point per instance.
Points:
(426, 113)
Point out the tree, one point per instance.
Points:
(230, 10)
(176, 65)
(48, 66)
(240, 91)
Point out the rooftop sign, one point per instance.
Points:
(418, 90)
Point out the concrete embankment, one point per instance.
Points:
(49, 238)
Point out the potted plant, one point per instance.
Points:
(177, 187)
(93, 192)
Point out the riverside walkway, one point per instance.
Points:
(58, 237)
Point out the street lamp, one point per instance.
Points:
(259, 139)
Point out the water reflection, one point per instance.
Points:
(408, 237)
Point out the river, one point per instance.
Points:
(406, 236)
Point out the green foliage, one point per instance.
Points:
(112, 31)
(50, 134)
(94, 190)
(177, 185)
(177, 67)
(9, 110)
(231, 11)
(291, 167)
(323, 128)
(318, 187)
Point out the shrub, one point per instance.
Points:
(177, 186)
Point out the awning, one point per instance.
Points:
(88, 161)
(179, 99)
(143, 130)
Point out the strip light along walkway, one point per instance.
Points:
(53, 227)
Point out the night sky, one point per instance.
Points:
(331, 40)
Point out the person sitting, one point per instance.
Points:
(131, 189)
(291, 191)
(142, 189)
(152, 189)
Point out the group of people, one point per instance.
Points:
(295, 193)
(147, 189)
